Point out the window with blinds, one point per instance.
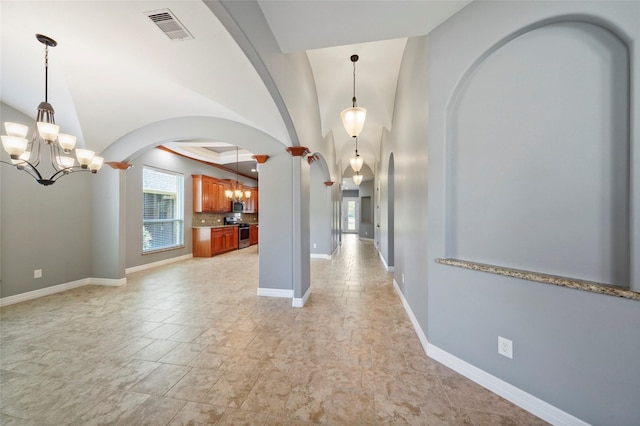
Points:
(163, 221)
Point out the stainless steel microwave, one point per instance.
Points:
(237, 206)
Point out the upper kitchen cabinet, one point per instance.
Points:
(209, 195)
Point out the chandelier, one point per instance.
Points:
(25, 155)
(356, 161)
(353, 118)
(237, 194)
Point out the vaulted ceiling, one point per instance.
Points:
(115, 71)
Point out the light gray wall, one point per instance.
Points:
(320, 212)
(46, 228)
(576, 350)
(365, 229)
(408, 143)
(276, 239)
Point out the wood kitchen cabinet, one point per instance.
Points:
(208, 242)
(209, 195)
(253, 234)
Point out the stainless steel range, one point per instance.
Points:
(243, 231)
(243, 235)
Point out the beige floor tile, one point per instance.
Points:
(161, 379)
(194, 413)
(191, 343)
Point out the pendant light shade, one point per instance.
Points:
(356, 161)
(353, 118)
(357, 179)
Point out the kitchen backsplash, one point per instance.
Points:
(216, 219)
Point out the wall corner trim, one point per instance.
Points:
(509, 392)
(275, 292)
(299, 302)
(320, 256)
(112, 282)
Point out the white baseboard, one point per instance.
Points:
(158, 263)
(384, 262)
(275, 292)
(113, 282)
(320, 256)
(47, 291)
(30, 295)
(509, 392)
(299, 302)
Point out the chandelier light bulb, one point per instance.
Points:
(16, 129)
(48, 131)
(66, 162)
(67, 142)
(14, 145)
(84, 157)
(21, 159)
(96, 164)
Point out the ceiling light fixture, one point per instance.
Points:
(357, 178)
(353, 118)
(357, 161)
(26, 155)
(236, 194)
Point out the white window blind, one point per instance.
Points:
(163, 222)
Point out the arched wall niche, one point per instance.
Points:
(537, 154)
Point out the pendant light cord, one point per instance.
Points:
(354, 84)
(46, 73)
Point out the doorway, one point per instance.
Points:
(350, 215)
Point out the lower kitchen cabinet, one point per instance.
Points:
(209, 242)
(253, 234)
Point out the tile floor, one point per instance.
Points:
(191, 343)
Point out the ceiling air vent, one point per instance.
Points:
(169, 24)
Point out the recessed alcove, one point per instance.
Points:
(551, 107)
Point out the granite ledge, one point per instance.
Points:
(591, 286)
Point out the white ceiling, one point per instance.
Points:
(114, 71)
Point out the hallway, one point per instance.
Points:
(191, 343)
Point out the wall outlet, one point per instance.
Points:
(315, 245)
(202, 221)
(403, 278)
(505, 347)
(37, 273)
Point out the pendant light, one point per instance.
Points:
(353, 118)
(26, 155)
(237, 194)
(357, 178)
(356, 161)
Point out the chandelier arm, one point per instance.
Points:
(29, 168)
(74, 169)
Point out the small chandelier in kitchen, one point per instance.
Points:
(356, 161)
(353, 118)
(237, 194)
(25, 155)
